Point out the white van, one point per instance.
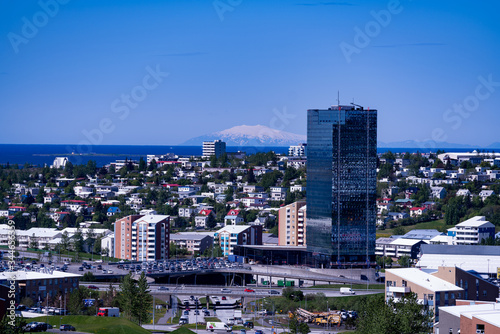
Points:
(347, 291)
(218, 326)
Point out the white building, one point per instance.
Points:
(299, 150)
(471, 231)
(216, 147)
(59, 162)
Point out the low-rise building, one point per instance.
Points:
(193, 242)
(432, 292)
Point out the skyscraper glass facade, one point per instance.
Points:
(341, 183)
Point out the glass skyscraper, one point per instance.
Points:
(341, 183)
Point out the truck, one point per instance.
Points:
(237, 317)
(108, 312)
(347, 291)
(218, 326)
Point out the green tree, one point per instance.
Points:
(144, 301)
(127, 297)
(142, 165)
(404, 261)
(406, 316)
(12, 326)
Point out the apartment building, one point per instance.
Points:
(232, 235)
(471, 231)
(193, 242)
(292, 224)
(142, 238)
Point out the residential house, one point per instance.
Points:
(438, 192)
(202, 218)
(113, 211)
(484, 194)
(417, 211)
(233, 217)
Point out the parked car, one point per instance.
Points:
(66, 327)
(248, 324)
(258, 331)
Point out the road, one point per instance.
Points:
(201, 290)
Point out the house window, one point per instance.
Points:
(403, 283)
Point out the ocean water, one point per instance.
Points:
(40, 155)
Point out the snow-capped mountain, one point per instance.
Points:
(251, 135)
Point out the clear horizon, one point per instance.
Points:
(155, 72)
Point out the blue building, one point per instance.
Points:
(341, 184)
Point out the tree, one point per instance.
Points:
(211, 222)
(142, 165)
(12, 326)
(404, 261)
(406, 316)
(144, 300)
(127, 297)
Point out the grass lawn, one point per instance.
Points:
(432, 225)
(182, 330)
(159, 313)
(92, 324)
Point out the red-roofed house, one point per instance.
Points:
(417, 211)
(233, 217)
(16, 208)
(202, 218)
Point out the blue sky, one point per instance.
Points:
(161, 72)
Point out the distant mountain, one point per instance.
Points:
(251, 135)
(495, 145)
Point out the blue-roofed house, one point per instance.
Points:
(113, 210)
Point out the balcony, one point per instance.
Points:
(399, 289)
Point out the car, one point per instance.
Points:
(225, 290)
(248, 324)
(186, 312)
(259, 331)
(206, 313)
(243, 331)
(249, 290)
(110, 271)
(274, 292)
(93, 287)
(163, 288)
(196, 312)
(80, 268)
(66, 327)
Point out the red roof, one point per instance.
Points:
(73, 201)
(233, 212)
(417, 208)
(63, 213)
(17, 207)
(205, 212)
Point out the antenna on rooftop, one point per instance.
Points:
(338, 98)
